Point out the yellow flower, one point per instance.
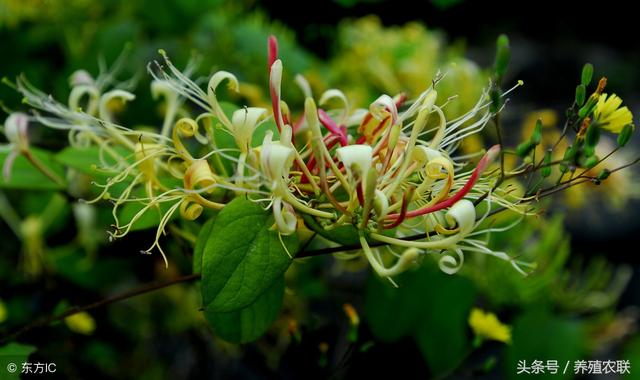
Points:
(81, 323)
(3, 312)
(487, 326)
(609, 113)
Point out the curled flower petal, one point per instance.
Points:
(78, 92)
(450, 264)
(384, 106)
(199, 174)
(214, 82)
(356, 159)
(462, 214)
(244, 122)
(276, 160)
(106, 99)
(80, 78)
(189, 209)
(284, 217)
(15, 130)
(337, 94)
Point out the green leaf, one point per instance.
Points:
(449, 301)
(25, 176)
(430, 306)
(13, 354)
(631, 352)
(242, 256)
(538, 335)
(250, 323)
(201, 241)
(87, 159)
(224, 140)
(393, 313)
(344, 235)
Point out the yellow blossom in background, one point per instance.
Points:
(487, 326)
(610, 115)
(3, 312)
(616, 191)
(411, 58)
(81, 323)
(550, 131)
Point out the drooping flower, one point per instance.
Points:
(15, 130)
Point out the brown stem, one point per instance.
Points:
(107, 301)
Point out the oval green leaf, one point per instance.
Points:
(242, 256)
(250, 323)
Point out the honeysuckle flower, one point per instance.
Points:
(275, 161)
(357, 160)
(15, 130)
(244, 122)
(610, 115)
(486, 325)
(389, 171)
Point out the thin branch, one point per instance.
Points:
(355, 247)
(107, 301)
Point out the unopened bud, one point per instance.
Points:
(604, 174)
(536, 137)
(593, 135)
(591, 162)
(503, 55)
(625, 135)
(581, 91)
(587, 74)
(524, 148)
